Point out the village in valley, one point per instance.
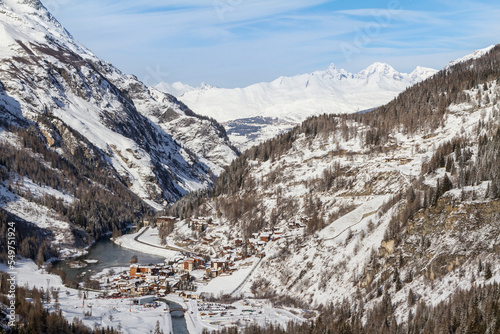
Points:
(208, 273)
(208, 257)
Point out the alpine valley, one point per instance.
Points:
(335, 221)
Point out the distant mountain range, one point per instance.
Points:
(261, 111)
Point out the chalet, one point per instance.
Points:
(265, 237)
(140, 271)
(191, 263)
(198, 262)
(165, 220)
(220, 265)
(187, 264)
(189, 295)
(143, 288)
(188, 241)
(213, 273)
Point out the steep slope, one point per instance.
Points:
(399, 201)
(292, 99)
(90, 120)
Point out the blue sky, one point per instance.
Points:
(235, 43)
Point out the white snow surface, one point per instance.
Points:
(296, 98)
(147, 243)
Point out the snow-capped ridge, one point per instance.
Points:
(379, 68)
(29, 21)
(422, 73)
(333, 72)
(474, 55)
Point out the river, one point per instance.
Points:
(179, 325)
(110, 255)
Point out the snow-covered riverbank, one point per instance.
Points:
(145, 241)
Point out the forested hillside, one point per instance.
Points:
(472, 311)
(401, 201)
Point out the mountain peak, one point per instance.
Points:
(25, 6)
(421, 73)
(334, 72)
(28, 21)
(332, 67)
(378, 67)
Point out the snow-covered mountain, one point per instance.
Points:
(293, 99)
(90, 114)
(57, 75)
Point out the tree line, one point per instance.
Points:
(472, 311)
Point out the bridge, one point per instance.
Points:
(183, 310)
